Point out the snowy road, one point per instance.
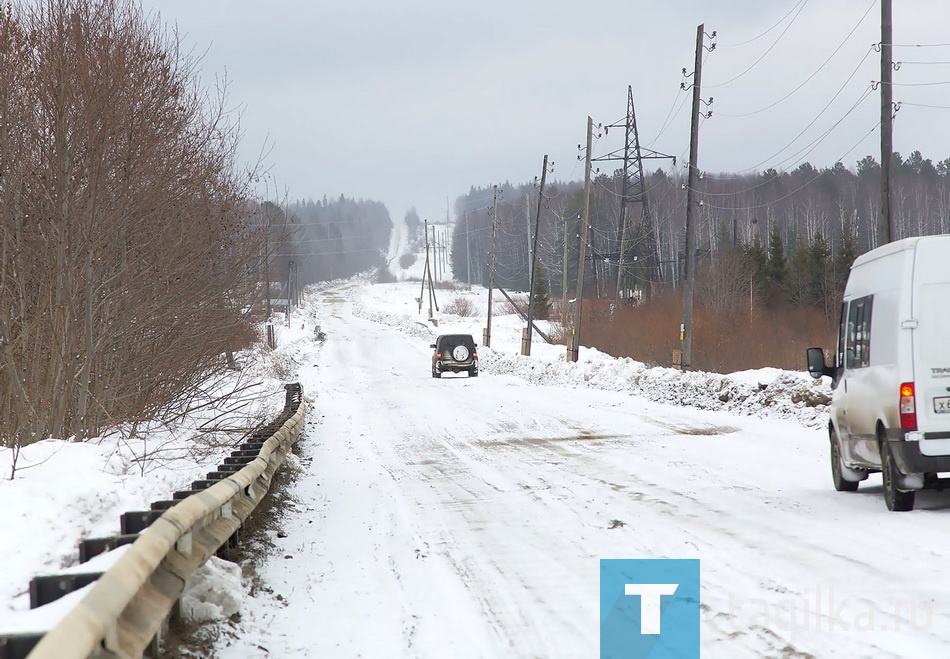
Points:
(465, 517)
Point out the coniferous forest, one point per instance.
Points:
(333, 239)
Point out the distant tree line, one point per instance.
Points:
(779, 237)
(334, 239)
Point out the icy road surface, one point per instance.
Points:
(465, 517)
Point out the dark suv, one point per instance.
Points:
(454, 352)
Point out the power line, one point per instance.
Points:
(807, 150)
(763, 56)
(781, 20)
(671, 116)
(919, 45)
(924, 105)
(668, 121)
(348, 251)
(292, 241)
(817, 71)
(866, 93)
(793, 192)
(920, 84)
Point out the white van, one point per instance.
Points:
(890, 409)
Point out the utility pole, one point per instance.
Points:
(479, 262)
(297, 283)
(291, 288)
(432, 300)
(573, 349)
(564, 277)
(435, 252)
(887, 117)
(426, 273)
(686, 330)
(266, 275)
(468, 253)
(534, 252)
(527, 228)
(430, 240)
(486, 335)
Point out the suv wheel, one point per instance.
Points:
(841, 484)
(473, 372)
(895, 499)
(436, 374)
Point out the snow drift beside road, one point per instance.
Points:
(769, 392)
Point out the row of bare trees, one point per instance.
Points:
(836, 205)
(129, 252)
(772, 248)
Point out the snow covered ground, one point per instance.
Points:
(462, 517)
(466, 517)
(62, 492)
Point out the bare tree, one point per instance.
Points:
(723, 284)
(127, 239)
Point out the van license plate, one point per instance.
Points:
(942, 405)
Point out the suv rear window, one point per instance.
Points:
(449, 341)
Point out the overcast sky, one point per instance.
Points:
(412, 102)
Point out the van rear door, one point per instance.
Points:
(931, 339)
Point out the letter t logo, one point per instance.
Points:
(650, 594)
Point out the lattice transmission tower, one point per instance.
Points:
(633, 192)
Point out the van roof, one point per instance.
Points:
(897, 246)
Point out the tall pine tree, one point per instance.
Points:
(542, 297)
(776, 267)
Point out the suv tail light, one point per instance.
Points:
(474, 355)
(438, 355)
(908, 407)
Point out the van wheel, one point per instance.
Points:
(895, 499)
(841, 484)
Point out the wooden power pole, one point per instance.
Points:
(486, 335)
(564, 278)
(887, 118)
(573, 350)
(534, 257)
(689, 275)
(468, 253)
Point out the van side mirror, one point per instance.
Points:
(816, 363)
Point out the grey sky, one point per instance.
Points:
(413, 102)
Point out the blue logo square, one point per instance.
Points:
(649, 609)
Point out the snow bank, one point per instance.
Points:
(767, 393)
(214, 592)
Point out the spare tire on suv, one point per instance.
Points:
(454, 353)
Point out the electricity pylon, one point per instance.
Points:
(633, 191)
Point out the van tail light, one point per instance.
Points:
(908, 407)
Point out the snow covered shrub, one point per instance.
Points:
(461, 306)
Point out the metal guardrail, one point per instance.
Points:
(128, 604)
